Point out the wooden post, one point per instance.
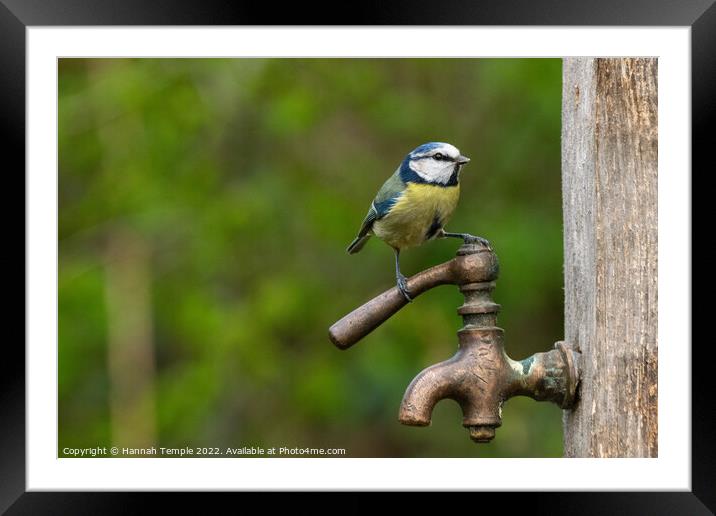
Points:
(609, 187)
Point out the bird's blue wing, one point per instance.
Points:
(384, 200)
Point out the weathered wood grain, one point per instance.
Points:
(609, 174)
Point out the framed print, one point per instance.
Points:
(194, 178)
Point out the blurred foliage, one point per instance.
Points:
(245, 179)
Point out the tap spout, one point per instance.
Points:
(476, 377)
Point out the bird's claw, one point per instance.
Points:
(403, 287)
(472, 239)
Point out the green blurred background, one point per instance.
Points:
(205, 208)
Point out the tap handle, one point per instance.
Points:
(474, 263)
(364, 319)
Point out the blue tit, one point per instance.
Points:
(415, 203)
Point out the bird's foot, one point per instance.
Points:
(403, 287)
(468, 239)
(472, 239)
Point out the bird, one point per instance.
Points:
(415, 203)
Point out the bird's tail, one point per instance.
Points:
(357, 244)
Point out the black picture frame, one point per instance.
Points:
(17, 15)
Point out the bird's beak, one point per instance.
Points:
(461, 160)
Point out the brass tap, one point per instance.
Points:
(480, 377)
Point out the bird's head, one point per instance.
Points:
(436, 162)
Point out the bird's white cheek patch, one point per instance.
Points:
(432, 171)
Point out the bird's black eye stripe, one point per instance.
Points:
(441, 157)
(438, 156)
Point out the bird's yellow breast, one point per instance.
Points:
(418, 209)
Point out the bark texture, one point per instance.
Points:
(609, 186)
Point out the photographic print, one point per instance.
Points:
(204, 213)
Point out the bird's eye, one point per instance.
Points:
(438, 156)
